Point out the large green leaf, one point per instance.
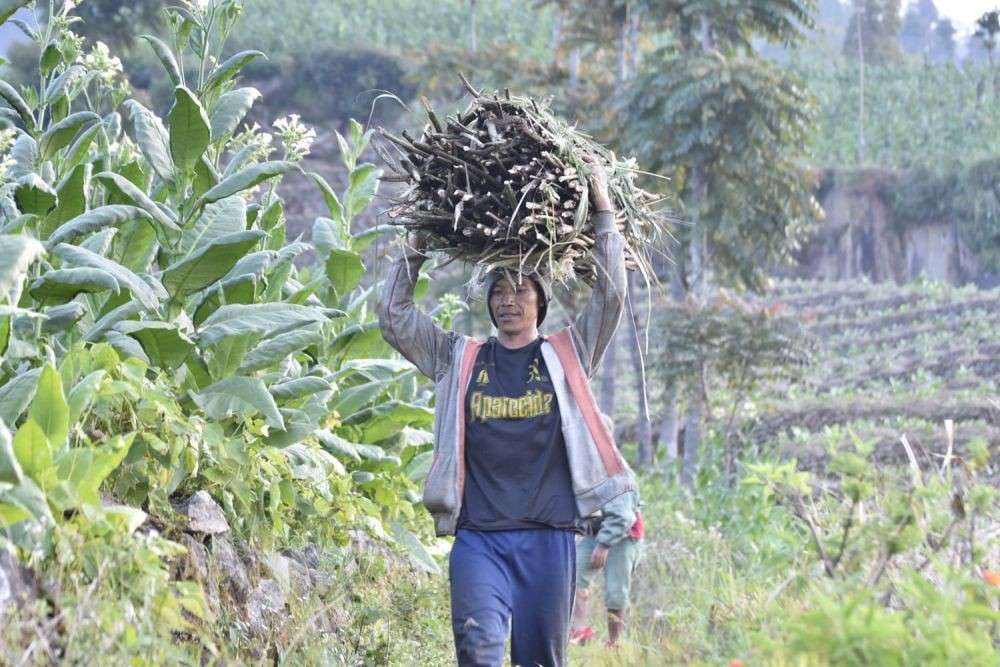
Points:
(136, 246)
(74, 199)
(230, 68)
(49, 408)
(127, 191)
(354, 398)
(33, 450)
(230, 111)
(114, 215)
(359, 341)
(100, 242)
(239, 397)
(273, 350)
(235, 290)
(153, 139)
(415, 549)
(257, 318)
(118, 314)
(61, 285)
(208, 264)
(166, 57)
(226, 216)
(57, 87)
(60, 134)
(344, 268)
(25, 156)
(361, 241)
(164, 344)
(16, 255)
(227, 356)
(332, 200)
(326, 236)
(389, 418)
(22, 502)
(83, 394)
(10, 469)
(189, 129)
(17, 103)
(337, 446)
(78, 152)
(362, 186)
(247, 178)
(299, 387)
(77, 256)
(127, 347)
(83, 469)
(33, 195)
(17, 394)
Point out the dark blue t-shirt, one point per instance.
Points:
(517, 474)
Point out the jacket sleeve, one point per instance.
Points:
(595, 326)
(407, 328)
(619, 515)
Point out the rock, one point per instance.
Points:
(300, 577)
(264, 605)
(204, 514)
(232, 574)
(17, 582)
(307, 556)
(196, 564)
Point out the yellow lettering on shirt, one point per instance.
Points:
(534, 403)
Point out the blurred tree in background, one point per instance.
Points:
(118, 23)
(873, 32)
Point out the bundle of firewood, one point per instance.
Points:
(504, 184)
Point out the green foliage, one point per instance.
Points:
(736, 124)
(159, 338)
(915, 114)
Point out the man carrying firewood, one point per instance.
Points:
(521, 451)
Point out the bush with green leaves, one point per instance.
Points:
(160, 335)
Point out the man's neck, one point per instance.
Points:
(518, 340)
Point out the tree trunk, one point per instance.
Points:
(860, 16)
(621, 76)
(574, 68)
(473, 37)
(669, 426)
(668, 443)
(692, 431)
(644, 429)
(555, 43)
(633, 38)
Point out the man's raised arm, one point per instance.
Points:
(595, 326)
(404, 326)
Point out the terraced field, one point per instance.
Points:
(888, 362)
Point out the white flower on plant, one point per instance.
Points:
(107, 67)
(253, 138)
(197, 5)
(296, 137)
(7, 138)
(5, 164)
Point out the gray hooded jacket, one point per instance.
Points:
(572, 355)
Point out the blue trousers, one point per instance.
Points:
(516, 582)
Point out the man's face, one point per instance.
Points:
(514, 305)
